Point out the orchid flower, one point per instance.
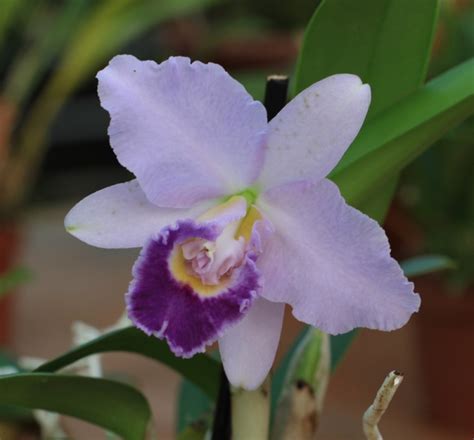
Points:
(235, 215)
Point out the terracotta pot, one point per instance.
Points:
(9, 241)
(446, 350)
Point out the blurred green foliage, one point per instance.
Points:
(11, 279)
(279, 13)
(240, 16)
(425, 264)
(49, 48)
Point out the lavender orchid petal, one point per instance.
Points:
(188, 131)
(248, 349)
(121, 216)
(330, 262)
(163, 305)
(309, 136)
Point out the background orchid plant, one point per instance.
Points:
(237, 216)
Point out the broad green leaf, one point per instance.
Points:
(195, 407)
(398, 135)
(385, 42)
(12, 279)
(425, 264)
(111, 405)
(201, 370)
(7, 412)
(377, 205)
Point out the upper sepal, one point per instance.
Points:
(188, 131)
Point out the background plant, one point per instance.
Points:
(48, 49)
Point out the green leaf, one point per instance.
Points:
(193, 432)
(7, 412)
(193, 406)
(12, 279)
(385, 42)
(202, 370)
(377, 205)
(425, 264)
(339, 345)
(397, 136)
(390, 48)
(111, 405)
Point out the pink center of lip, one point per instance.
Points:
(212, 260)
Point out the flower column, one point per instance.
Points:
(251, 409)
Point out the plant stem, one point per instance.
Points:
(375, 411)
(221, 429)
(251, 413)
(275, 94)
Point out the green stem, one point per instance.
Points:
(251, 413)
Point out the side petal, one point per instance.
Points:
(162, 303)
(188, 131)
(311, 133)
(331, 263)
(121, 216)
(248, 349)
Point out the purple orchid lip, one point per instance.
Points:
(165, 307)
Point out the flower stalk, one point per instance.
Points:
(381, 402)
(251, 413)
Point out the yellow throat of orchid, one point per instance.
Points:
(206, 266)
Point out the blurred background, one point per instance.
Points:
(54, 151)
